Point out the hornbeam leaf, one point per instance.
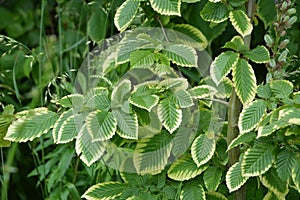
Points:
(203, 91)
(257, 160)
(244, 81)
(120, 93)
(127, 124)
(126, 13)
(285, 162)
(259, 54)
(236, 44)
(185, 169)
(214, 12)
(296, 175)
(70, 128)
(241, 22)
(203, 149)
(271, 196)
(88, 151)
(212, 195)
(101, 125)
(151, 154)
(234, 177)
(241, 139)
(183, 99)
(222, 65)
(181, 55)
(72, 100)
(57, 126)
(192, 191)
(33, 124)
(195, 37)
(142, 59)
(105, 191)
(251, 115)
(212, 178)
(166, 7)
(169, 115)
(144, 100)
(281, 88)
(278, 186)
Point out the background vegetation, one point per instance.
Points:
(255, 51)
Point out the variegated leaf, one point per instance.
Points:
(192, 191)
(126, 13)
(166, 7)
(241, 22)
(105, 191)
(127, 124)
(214, 12)
(203, 149)
(234, 177)
(259, 54)
(181, 55)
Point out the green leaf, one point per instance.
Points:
(240, 22)
(281, 88)
(266, 15)
(192, 36)
(97, 25)
(98, 99)
(57, 126)
(120, 93)
(271, 196)
(105, 191)
(244, 81)
(126, 13)
(142, 59)
(127, 124)
(234, 177)
(296, 175)
(70, 128)
(203, 91)
(181, 55)
(241, 139)
(257, 160)
(72, 100)
(259, 54)
(264, 91)
(203, 149)
(151, 154)
(174, 84)
(169, 114)
(166, 7)
(6, 119)
(236, 44)
(285, 162)
(101, 125)
(214, 12)
(237, 3)
(185, 169)
(271, 181)
(183, 99)
(88, 151)
(32, 125)
(212, 178)
(144, 99)
(251, 115)
(222, 65)
(211, 195)
(192, 191)
(190, 1)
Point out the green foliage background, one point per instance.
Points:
(42, 45)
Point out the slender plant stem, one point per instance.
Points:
(234, 110)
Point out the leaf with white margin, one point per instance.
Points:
(222, 65)
(296, 175)
(57, 126)
(88, 151)
(105, 191)
(203, 91)
(214, 12)
(251, 115)
(240, 22)
(174, 84)
(166, 7)
(212, 178)
(144, 100)
(281, 88)
(127, 124)
(192, 36)
(184, 169)
(234, 177)
(31, 125)
(271, 181)
(120, 93)
(181, 55)
(259, 54)
(236, 44)
(72, 100)
(257, 160)
(151, 154)
(126, 13)
(285, 163)
(241, 139)
(101, 125)
(192, 191)
(212, 195)
(183, 99)
(169, 114)
(244, 80)
(203, 149)
(70, 128)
